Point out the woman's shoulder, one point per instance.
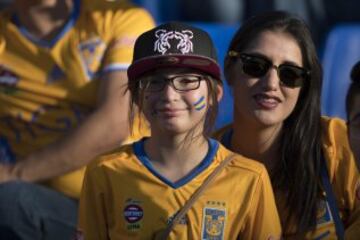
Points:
(240, 163)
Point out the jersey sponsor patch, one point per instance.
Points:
(91, 52)
(213, 224)
(7, 77)
(323, 213)
(133, 214)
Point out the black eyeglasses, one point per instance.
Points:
(182, 83)
(257, 66)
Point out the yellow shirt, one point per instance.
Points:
(344, 178)
(124, 197)
(48, 88)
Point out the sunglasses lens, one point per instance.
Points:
(255, 67)
(291, 76)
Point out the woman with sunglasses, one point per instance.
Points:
(275, 76)
(353, 111)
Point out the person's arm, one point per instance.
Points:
(263, 221)
(106, 128)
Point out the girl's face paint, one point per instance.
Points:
(200, 104)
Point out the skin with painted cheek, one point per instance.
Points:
(200, 104)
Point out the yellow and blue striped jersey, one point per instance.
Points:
(344, 178)
(48, 87)
(124, 197)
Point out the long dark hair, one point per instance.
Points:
(297, 173)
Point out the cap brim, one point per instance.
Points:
(201, 63)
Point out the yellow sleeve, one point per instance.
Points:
(263, 222)
(92, 213)
(344, 175)
(129, 24)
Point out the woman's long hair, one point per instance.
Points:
(297, 173)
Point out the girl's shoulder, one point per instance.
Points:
(114, 157)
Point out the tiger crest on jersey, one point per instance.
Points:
(91, 52)
(213, 224)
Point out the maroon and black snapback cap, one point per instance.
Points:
(174, 44)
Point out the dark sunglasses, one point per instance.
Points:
(257, 66)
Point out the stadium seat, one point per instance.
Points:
(341, 52)
(221, 35)
(161, 10)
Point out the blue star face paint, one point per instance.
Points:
(200, 104)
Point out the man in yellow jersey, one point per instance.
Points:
(62, 102)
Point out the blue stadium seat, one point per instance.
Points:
(342, 51)
(161, 10)
(221, 34)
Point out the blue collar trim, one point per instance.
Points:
(139, 151)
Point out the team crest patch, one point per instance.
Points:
(92, 52)
(133, 214)
(323, 215)
(213, 224)
(7, 77)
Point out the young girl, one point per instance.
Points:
(140, 190)
(275, 74)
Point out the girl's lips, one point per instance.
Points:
(169, 112)
(266, 102)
